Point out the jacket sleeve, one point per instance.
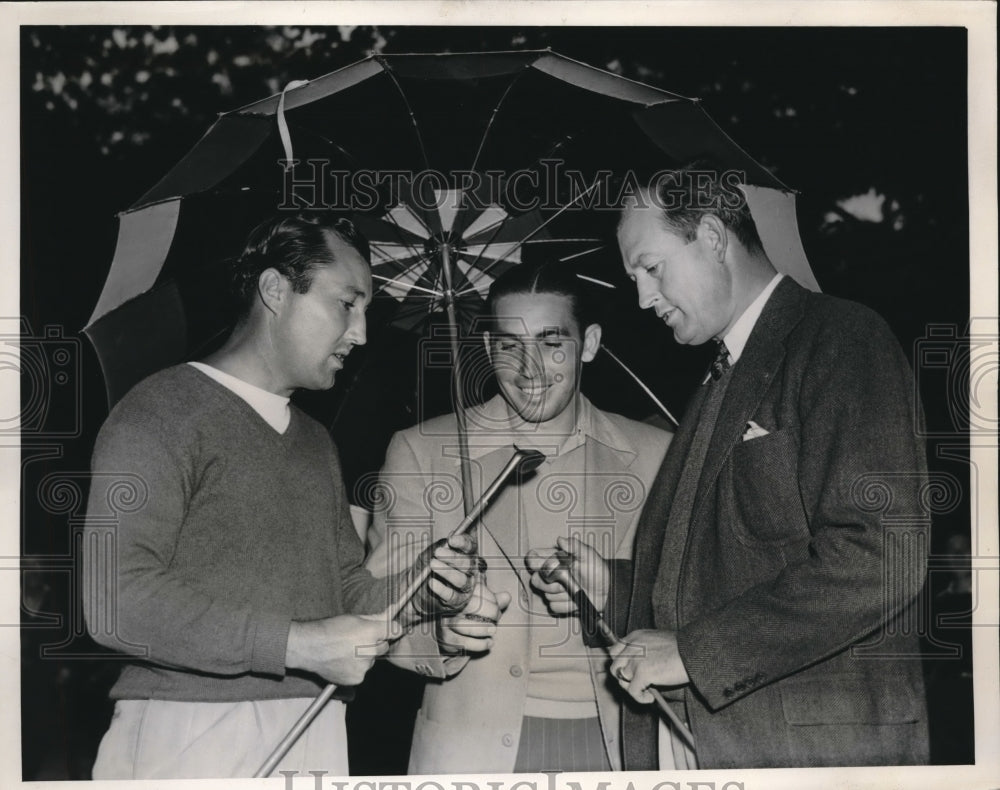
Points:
(402, 527)
(134, 600)
(858, 445)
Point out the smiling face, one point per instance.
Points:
(537, 352)
(313, 332)
(685, 283)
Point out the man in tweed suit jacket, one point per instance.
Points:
(768, 599)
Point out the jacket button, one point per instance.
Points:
(516, 671)
(508, 740)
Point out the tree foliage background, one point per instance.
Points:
(869, 124)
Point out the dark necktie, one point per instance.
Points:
(721, 362)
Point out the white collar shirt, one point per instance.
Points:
(272, 408)
(737, 337)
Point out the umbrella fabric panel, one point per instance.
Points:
(144, 239)
(459, 66)
(226, 146)
(319, 88)
(774, 216)
(599, 81)
(145, 335)
(435, 125)
(685, 132)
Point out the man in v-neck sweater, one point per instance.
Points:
(220, 554)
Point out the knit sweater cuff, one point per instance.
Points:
(270, 644)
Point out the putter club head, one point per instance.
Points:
(530, 461)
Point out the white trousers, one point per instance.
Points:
(159, 739)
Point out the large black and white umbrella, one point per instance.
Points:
(456, 167)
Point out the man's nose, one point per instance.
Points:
(648, 293)
(357, 333)
(529, 364)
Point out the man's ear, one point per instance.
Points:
(714, 234)
(591, 342)
(272, 288)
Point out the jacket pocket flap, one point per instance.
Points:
(836, 701)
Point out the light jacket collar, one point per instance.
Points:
(491, 427)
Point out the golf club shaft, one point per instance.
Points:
(463, 527)
(295, 733)
(590, 614)
(393, 611)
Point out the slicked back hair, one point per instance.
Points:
(294, 245)
(684, 196)
(545, 277)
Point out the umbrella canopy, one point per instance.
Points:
(456, 167)
(374, 136)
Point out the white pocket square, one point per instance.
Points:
(754, 431)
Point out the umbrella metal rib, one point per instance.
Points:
(409, 110)
(390, 281)
(493, 116)
(499, 225)
(402, 239)
(485, 270)
(580, 255)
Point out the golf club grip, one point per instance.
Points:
(591, 618)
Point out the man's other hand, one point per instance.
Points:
(648, 658)
(453, 565)
(339, 649)
(472, 629)
(587, 567)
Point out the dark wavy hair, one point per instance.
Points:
(294, 245)
(547, 277)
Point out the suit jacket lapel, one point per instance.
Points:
(652, 541)
(749, 380)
